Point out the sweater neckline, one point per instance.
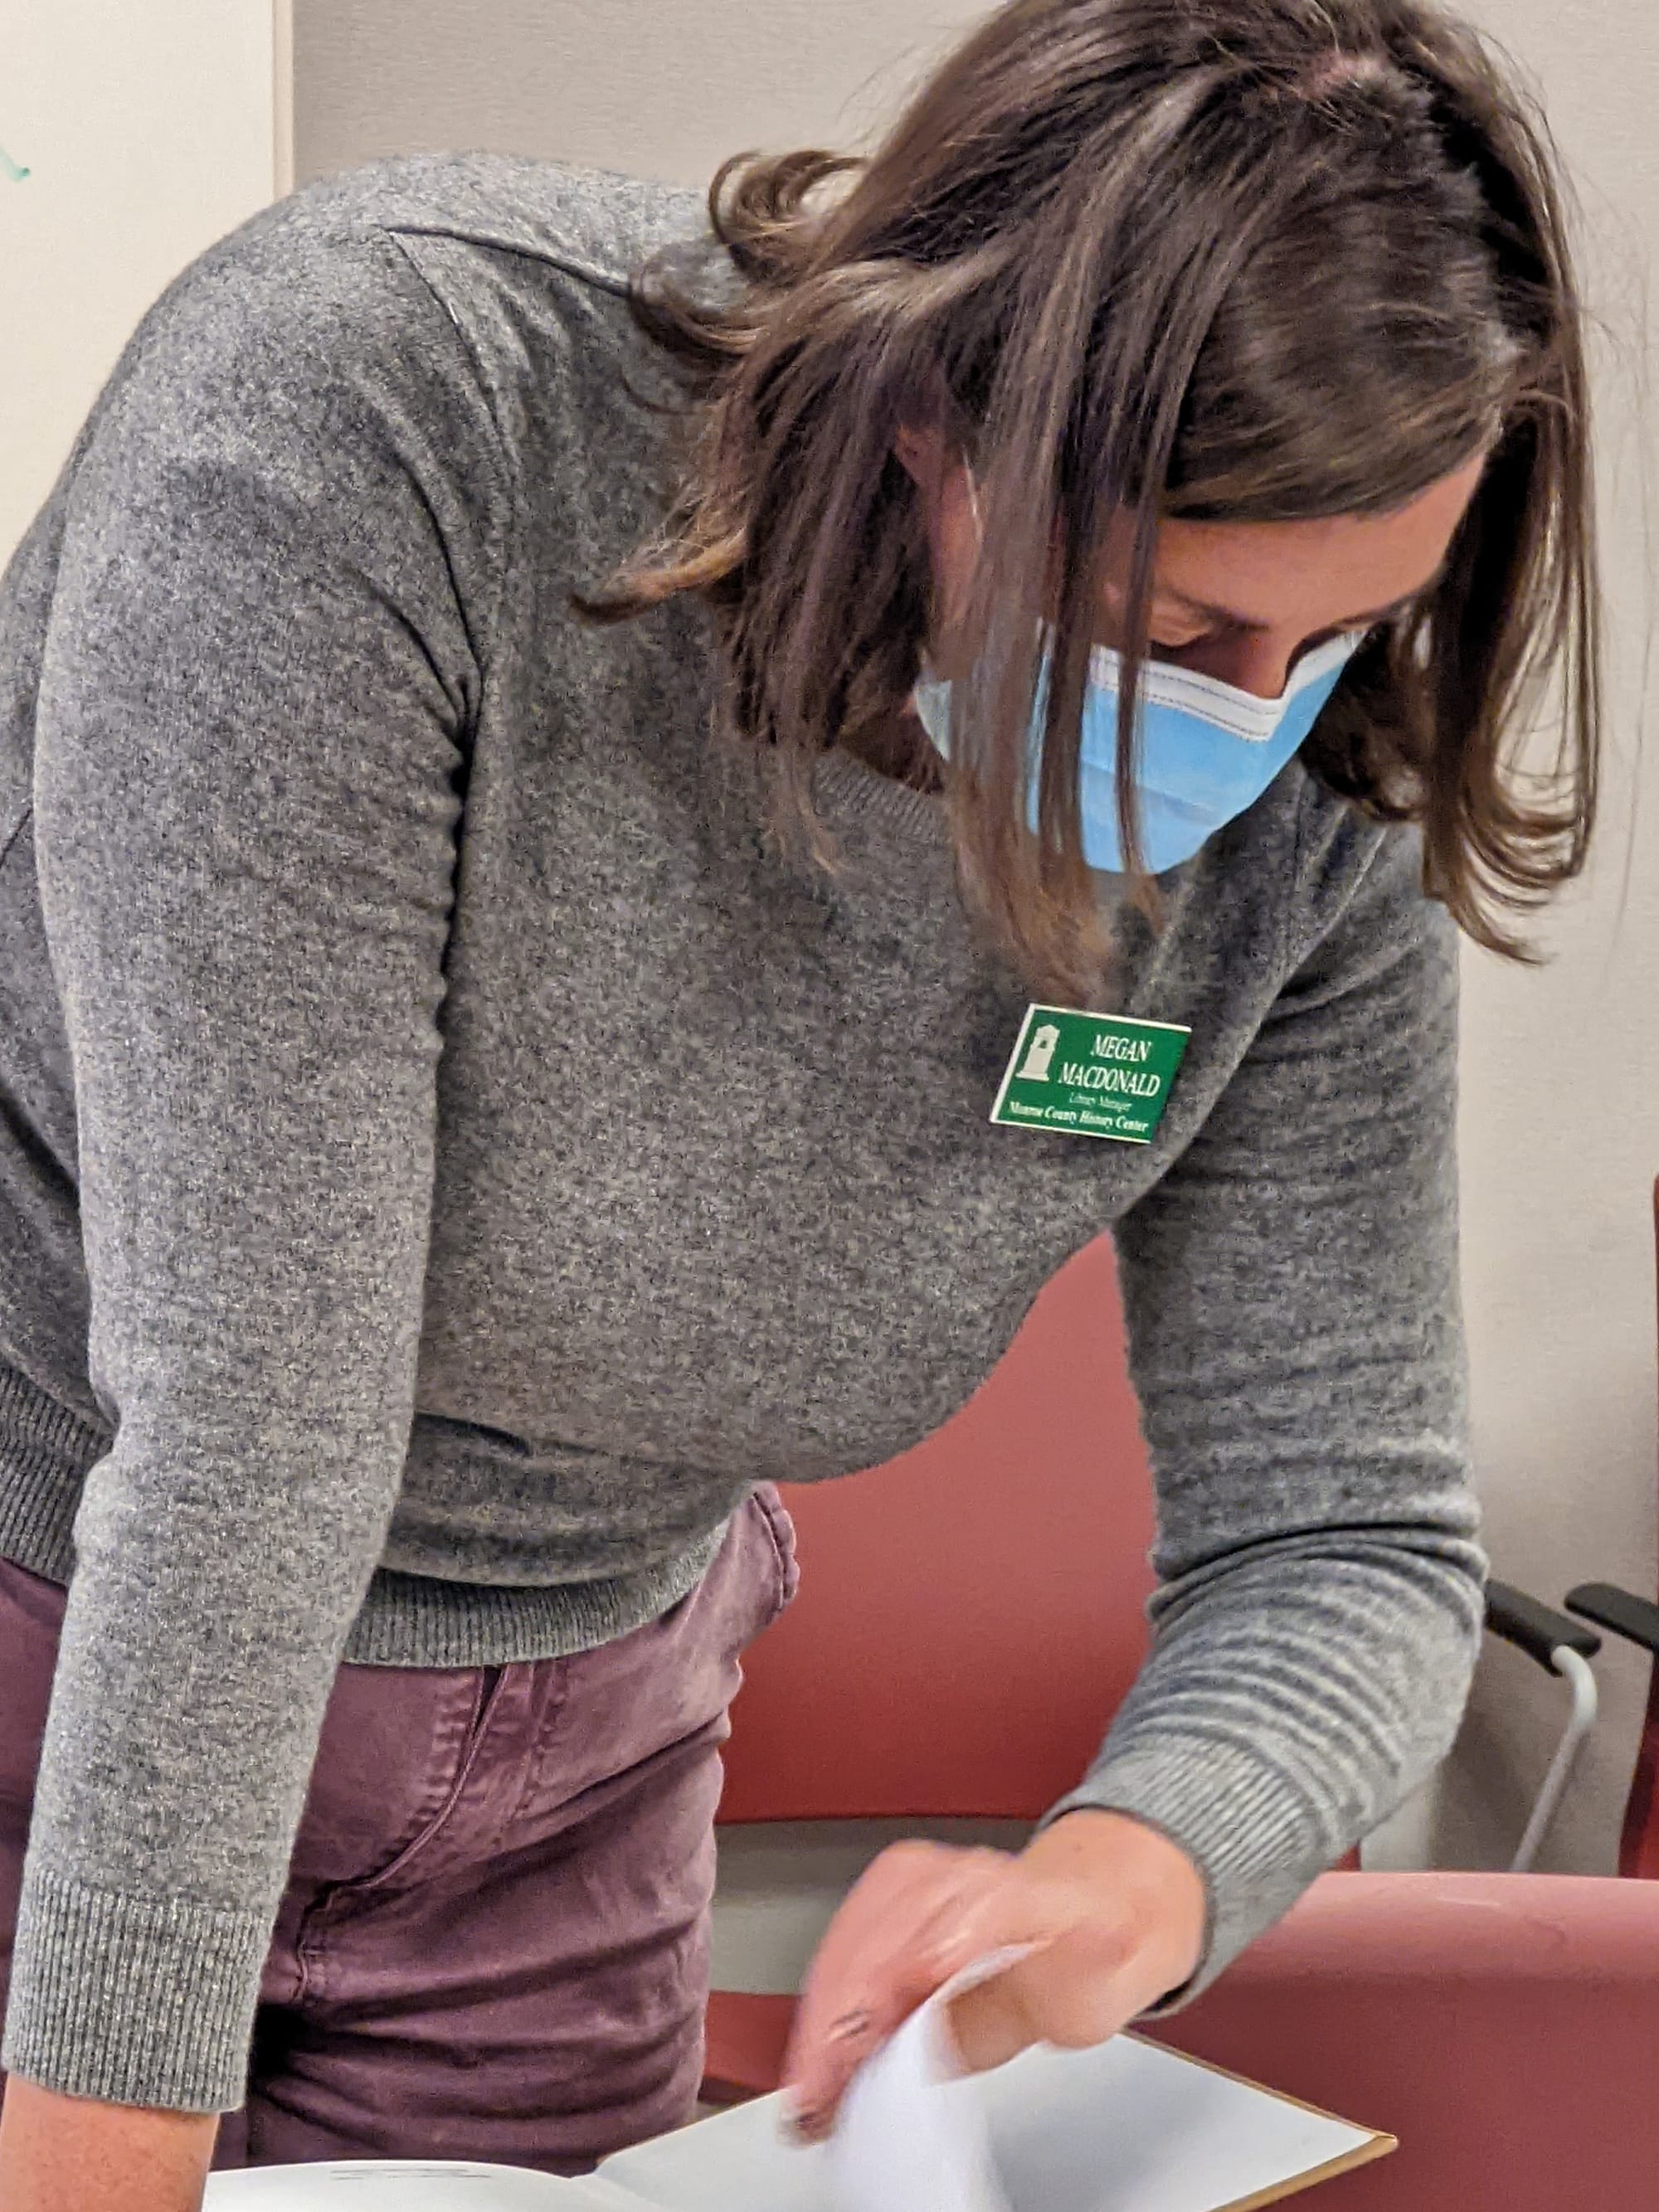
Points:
(850, 789)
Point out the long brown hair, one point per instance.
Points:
(1250, 260)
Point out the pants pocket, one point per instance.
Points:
(767, 1508)
(31, 1620)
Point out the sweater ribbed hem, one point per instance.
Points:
(132, 2001)
(409, 1620)
(46, 1452)
(406, 1620)
(1249, 1831)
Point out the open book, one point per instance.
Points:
(1129, 2127)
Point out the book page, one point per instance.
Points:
(408, 2185)
(1128, 2127)
(1135, 2128)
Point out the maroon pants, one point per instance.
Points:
(494, 1940)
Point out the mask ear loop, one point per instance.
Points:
(977, 513)
(975, 510)
(974, 506)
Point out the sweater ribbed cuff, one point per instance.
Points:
(130, 1999)
(1248, 1830)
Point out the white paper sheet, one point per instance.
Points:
(912, 2131)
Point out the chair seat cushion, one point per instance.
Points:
(748, 2036)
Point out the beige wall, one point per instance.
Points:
(148, 129)
(1562, 1067)
(657, 87)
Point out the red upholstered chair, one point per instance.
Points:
(969, 1618)
(1638, 1621)
(1505, 2028)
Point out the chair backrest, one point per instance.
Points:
(971, 1614)
(1504, 2026)
(1638, 1848)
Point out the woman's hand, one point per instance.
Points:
(1112, 1912)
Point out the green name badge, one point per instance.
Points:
(1090, 1075)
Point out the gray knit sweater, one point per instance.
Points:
(446, 1155)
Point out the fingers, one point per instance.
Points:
(1102, 1915)
(904, 1931)
(992, 2023)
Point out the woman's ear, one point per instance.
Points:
(919, 452)
(950, 507)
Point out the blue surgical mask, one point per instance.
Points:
(1207, 751)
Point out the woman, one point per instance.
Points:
(468, 1131)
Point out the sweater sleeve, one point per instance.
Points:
(262, 665)
(1291, 1288)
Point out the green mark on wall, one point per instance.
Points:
(14, 170)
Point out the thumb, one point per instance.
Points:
(988, 2010)
(990, 2023)
(1051, 1969)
